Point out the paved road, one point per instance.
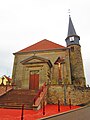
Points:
(81, 114)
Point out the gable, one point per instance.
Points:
(42, 45)
(36, 60)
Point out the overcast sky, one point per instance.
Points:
(25, 22)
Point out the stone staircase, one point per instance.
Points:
(16, 98)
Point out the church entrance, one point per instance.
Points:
(34, 80)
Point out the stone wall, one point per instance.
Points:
(21, 72)
(77, 69)
(78, 95)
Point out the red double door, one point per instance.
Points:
(34, 82)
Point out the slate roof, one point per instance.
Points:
(71, 29)
(42, 45)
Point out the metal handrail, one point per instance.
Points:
(39, 92)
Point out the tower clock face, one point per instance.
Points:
(71, 39)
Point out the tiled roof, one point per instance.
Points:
(8, 78)
(42, 45)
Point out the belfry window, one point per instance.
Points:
(71, 39)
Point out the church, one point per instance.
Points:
(47, 72)
(50, 63)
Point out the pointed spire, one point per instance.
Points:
(72, 37)
(71, 30)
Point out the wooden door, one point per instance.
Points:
(34, 81)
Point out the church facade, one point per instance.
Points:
(50, 63)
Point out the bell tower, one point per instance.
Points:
(76, 63)
(72, 37)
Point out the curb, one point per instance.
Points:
(59, 114)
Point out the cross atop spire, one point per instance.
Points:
(69, 12)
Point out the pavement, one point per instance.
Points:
(82, 113)
(16, 114)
